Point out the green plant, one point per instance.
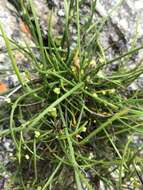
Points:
(72, 125)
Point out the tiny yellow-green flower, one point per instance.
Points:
(56, 90)
(53, 112)
(27, 157)
(37, 134)
(94, 95)
(92, 63)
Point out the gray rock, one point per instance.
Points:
(124, 28)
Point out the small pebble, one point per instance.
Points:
(61, 13)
